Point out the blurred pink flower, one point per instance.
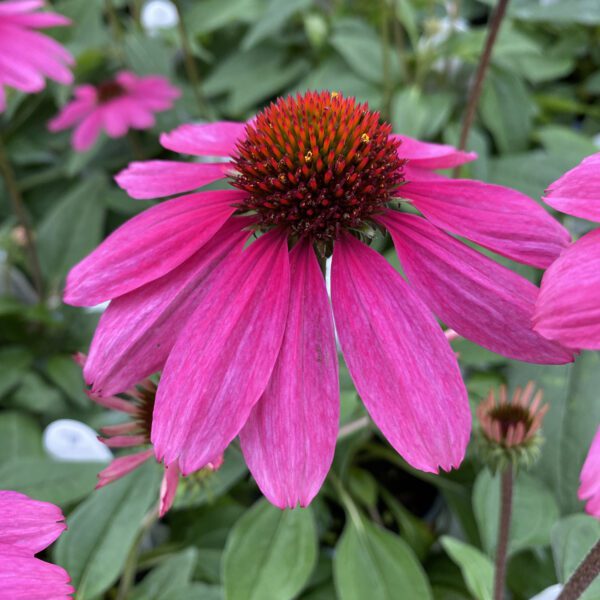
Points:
(126, 102)
(590, 478)
(26, 56)
(138, 403)
(245, 337)
(568, 307)
(27, 527)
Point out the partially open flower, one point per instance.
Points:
(510, 428)
(138, 404)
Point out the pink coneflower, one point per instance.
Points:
(26, 56)
(589, 490)
(246, 336)
(568, 307)
(115, 106)
(138, 404)
(27, 527)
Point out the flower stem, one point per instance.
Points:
(18, 206)
(484, 62)
(190, 63)
(585, 574)
(506, 497)
(117, 30)
(388, 89)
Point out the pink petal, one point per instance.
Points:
(87, 132)
(568, 307)
(399, 359)
(119, 467)
(23, 577)
(496, 217)
(149, 246)
(36, 20)
(213, 139)
(222, 360)
(480, 299)
(28, 524)
(577, 192)
(124, 441)
(168, 488)
(138, 330)
(289, 439)
(431, 156)
(113, 402)
(19, 7)
(157, 178)
(72, 113)
(590, 478)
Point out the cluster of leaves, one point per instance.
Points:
(378, 529)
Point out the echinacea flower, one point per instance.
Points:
(510, 428)
(245, 336)
(138, 404)
(568, 307)
(115, 106)
(28, 526)
(589, 490)
(26, 56)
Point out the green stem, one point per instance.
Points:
(136, 13)
(18, 206)
(189, 61)
(484, 62)
(347, 501)
(117, 30)
(388, 87)
(583, 577)
(131, 562)
(506, 496)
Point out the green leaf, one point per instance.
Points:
(569, 426)
(169, 577)
(49, 480)
(210, 15)
(534, 511)
(572, 538)
(36, 395)
(103, 528)
(270, 553)
(507, 110)
(20, 436)
(67, 375)
(476, 567)
(147, 56)
(73, 227)
(371, 562)
(14, 363)
(196, 591)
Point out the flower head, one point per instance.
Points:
(29, 56)
(510, 428)
(589, 490)
(243, 332)
(138, 404)
(27, 527)
(567, 309)
(115, 106)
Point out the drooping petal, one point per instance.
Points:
(18, 7)
(168, 488)
(479, 298)
(399, 359)
(87, 132)
(222, 360)
(158, 178)
(289, 439)
(119, 467)
(148, 246)
(577, 192)
(568, 307)
(138, 330)
(212, 139)
(28, 524)
(72, 113)
(590, 478)
(23, 577)
(496, 217)
(36, 20)
(431, 156)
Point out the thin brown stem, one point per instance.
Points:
(189, 61)
(484, 62)
(585, 574)
(506, 496)
(18, 207)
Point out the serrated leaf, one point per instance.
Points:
(374, 563)
(270, 553)
(102, 530)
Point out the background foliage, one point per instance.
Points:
(378, 529)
